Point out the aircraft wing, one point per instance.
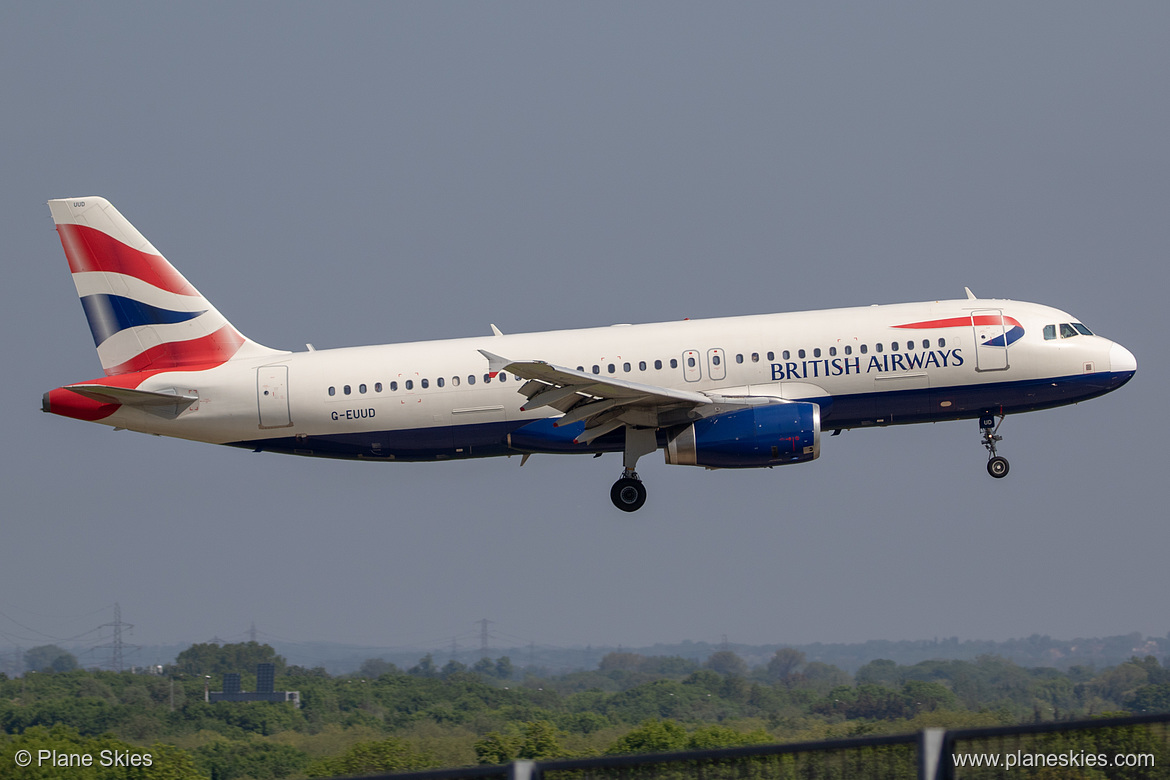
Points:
(604, 403)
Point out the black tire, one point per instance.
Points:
(998, 467)
(628, 494)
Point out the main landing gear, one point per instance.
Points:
(997, 465)
(628, 493)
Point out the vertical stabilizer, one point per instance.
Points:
(143, 314)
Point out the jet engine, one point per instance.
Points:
(766, 435)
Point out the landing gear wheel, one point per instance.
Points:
(628, 494)
(998, 467)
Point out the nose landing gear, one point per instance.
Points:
(997, 465)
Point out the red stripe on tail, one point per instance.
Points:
(92, 250)
(197, 354)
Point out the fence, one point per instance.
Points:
(1129, 748)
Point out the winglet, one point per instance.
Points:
(970, 295)
(496, 331)
(496, 363)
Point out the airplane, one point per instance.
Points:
(736, 392)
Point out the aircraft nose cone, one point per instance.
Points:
(1121, 359)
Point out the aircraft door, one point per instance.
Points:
(272, 396)
(716, 363)
(692, 371)
(991, 352)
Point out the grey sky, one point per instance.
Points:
(361, 173)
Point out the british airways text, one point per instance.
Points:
(847, 366)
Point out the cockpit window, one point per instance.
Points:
(1082, 329)
(1067, 331)
(1049, 332)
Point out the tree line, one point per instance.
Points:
(385, 718)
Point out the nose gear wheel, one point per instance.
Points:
(997, 465)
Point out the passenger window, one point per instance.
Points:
(487, 379)
(346, 390)
(409, 384)
(503, 376)
(657, 365)
(1082, 329)
(716, 360)
(596, 369)
(942, 343)
(439, 381)
(739, 358)
(755, 357)
(771, 356)
(471, 379)
(691, 362)
(894, 347)
(926, 343)
(909, 345)
(864, 348)
(361, 388)
(1067, 331)
(817, 352)
(848, 350)
(611, 368)
(580, 368)
(626, 367)
(377, 387)
(786, 355)
(425, 384)
(454, 381)
(641, 365)
(393, 387)
(674, 362)
(800, 353)
(878, 347)
(333, 391)
(832, 351)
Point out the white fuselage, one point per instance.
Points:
(434, 399)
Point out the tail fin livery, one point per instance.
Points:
(143, 314)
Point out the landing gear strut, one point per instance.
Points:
(628, 493)
(997, 465)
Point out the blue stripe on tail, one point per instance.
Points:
(110, 314)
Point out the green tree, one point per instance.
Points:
(254, 760)
(213, 659)
(424, 668)
(652, 736)
(49, 658)
(881, 671)
(376, 667)
(726, 663)
(784, 665)
(1150, 698)
(715, 736)
(923, 696)
(165, 762)
(365, 758)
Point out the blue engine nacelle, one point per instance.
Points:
(768, 435)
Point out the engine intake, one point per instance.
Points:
(768, 435)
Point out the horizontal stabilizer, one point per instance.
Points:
(169, 405)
